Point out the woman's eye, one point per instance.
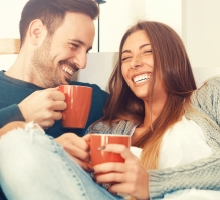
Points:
(125, 58)
(148, 52)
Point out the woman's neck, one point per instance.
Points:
(152, 112)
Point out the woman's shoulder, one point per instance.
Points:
(121, 127)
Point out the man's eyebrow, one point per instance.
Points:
(140, 47)
(80, 42)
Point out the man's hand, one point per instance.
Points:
(43, 107)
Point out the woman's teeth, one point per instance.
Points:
(67, 70)
(141, 78)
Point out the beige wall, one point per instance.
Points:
(201, 31)
(196, 21)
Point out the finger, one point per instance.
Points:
(79, 142)
(82, 165)
(76, 152)
(46, 123)
(110, 177)
(120, 149)
(78, 146)
(57, 115)
(87, 137)
(57, 96)
(110, 167)
(125, 188)
(59, 105)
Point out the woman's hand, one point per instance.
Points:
(131, 177)
(77, 147)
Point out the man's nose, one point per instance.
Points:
(80, 59)
(136, 62)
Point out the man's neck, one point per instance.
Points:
(21, 68)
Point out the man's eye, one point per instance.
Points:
(74, 45)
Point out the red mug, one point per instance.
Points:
(78, 99)
(98, 156)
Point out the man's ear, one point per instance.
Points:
(36, 31)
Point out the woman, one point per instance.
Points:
(151, 90)
(151, 86)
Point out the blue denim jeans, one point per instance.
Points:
(34, 167)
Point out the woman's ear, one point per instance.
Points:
(36, 31)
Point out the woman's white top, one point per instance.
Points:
(183, 143)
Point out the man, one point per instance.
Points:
(55, 36)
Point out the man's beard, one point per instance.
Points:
(47, 74)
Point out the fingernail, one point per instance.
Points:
(101, 148)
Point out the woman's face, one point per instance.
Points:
(138, 65)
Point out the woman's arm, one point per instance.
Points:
(203, 174)
(206, 99)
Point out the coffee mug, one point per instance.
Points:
(78, 99)
(97, 141)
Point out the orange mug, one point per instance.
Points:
(78, 99)
(98, 156)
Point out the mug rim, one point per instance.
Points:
(111, 135)
(76, 86)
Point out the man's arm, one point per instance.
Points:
(9, 114)
(203, 174)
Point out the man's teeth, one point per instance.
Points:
(141, 78)
(68, 70)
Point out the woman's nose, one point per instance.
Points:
(136, 62)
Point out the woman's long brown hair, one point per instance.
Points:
(172, 64)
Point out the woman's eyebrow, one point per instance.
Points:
(126, 51)
(143, 45)
(140, 47)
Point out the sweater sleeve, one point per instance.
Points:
(203, 174)
(9, 114)
(206, 99)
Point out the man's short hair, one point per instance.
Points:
(52, 12)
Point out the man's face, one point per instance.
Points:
(61, 55)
